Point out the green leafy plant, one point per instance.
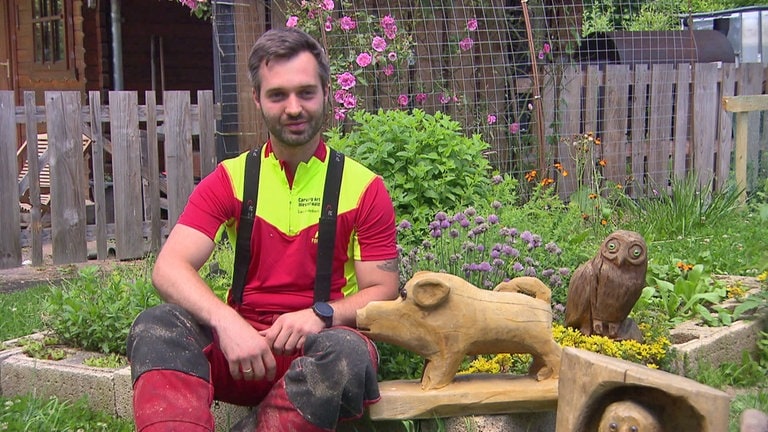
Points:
(47, 348)
(681, 290)
(426, 161)
(95, 310)
(111, 361)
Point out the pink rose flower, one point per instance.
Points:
(379, 44)
(421, 98)
(339, 114)
(347, 23)
(466, 44)
(329, 24)
(444, 98)
(346, 80)
(390, 33)
(547, 48)
(363, 59)
(514, 128)
(327, 5)
(402, 100)
(350, 101)
(491, 119)
(392, 56)
(293, 20)
(389, 69)
(339, 96)
(472, 24)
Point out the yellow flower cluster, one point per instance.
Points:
(652, 353)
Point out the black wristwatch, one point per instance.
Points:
(325, 312)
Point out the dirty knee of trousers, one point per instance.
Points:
(336, 377)
(168, 337)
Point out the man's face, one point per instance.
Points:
(292, 100)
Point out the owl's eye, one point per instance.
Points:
(613, 426)
(636, 252)
(612, 246)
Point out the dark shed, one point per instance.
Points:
(633, 47)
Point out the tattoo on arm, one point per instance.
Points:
(390, 266)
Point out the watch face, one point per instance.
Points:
(323, 309)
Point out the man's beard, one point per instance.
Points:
(283, 136)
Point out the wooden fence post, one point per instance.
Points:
(742, 106)
(10, 239)
(65, 144)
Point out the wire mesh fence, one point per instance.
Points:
(537, 79)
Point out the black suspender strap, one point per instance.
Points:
(245, 227)
(326, 228)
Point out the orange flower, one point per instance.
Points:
(531, 176)
(597, 141)
(593, 196)
(565, 173)
(547, 181)
(618, 186)
(584, 216)
(684, 267)
(558, 166)
(602, 162)
(603, 222)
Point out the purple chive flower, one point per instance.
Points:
(441, 216)
(498, 262)
(496, 204)
(464, 223)
(470, 211)
(495, 253)
(565, 271)
(555, 280)
(527, 236)
(480, 247)
(517, 267)
(479, 220)
(445, 224)
(484, 266)
(497, 179)
(559, 307)
(530, 271)
(404, 224)
(429, 257)
(547, 273)
(493, 219)
(426, 244)
(513, 232)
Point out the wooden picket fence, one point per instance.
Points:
(147, 200)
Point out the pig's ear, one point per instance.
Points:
(429, 292)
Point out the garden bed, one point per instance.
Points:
(109, 390)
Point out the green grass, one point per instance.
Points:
(30, 413)
(21, 311)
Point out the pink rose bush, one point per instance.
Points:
(359, 46)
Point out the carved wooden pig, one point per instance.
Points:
(443, 318)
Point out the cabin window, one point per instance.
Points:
(49, 32)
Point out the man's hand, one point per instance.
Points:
(248, 353)
(289, 331)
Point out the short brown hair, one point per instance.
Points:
(285, 44)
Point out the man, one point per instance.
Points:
(273, 346)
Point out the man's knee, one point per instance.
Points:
(168, 337)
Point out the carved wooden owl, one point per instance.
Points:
(628, 416)
(603, 290)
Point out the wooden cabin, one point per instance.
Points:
(73, 45)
